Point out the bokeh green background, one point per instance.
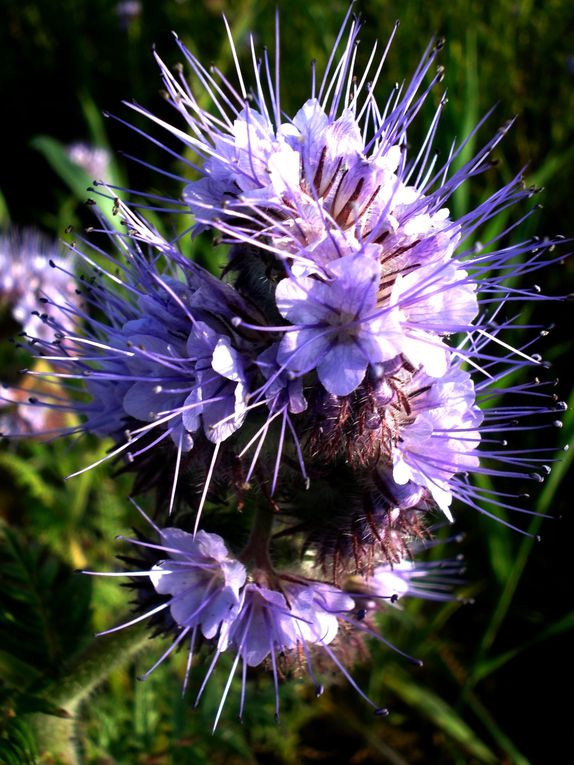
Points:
(495, 673)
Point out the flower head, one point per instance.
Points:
(333, 380)
(36, 284)
(337, 328)
(210, 594)
(202, 579)
(94, 160)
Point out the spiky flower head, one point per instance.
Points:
(331, 384)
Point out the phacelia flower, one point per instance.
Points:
(411, 577)
(341, 379)
(202, 579)
(212, 599)
(337, 327)
(36, 282)
(38, 294)
(94, 160)
(440, 436)
(433, 581)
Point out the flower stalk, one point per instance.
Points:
(58, 736)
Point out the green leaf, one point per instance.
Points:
(487, 667)
(77, 180)
(44, 606)
(26, 477)
(440, 713)
(4, 214)
(17, 744)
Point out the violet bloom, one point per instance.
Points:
(203, 580)
(371, 267)
(296, 621)
(440, 437)
(269, 623)
(156, 352)
(217, 400)
(37, 285)
(333, 326)
(367, 277)
(206, 591)
(93, 160)
(429, 580)
(38, 292)
(282, 391)
(198, 582)
(337, 327)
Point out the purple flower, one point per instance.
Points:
(156, 353)
(203, 580)
(207, 591)
(219, 394)
(408, 577)
(328, 339)
(338, 329)
(283, 390)
(38, 291)
(440, 435)
(270, 624)
(36, 283)
(94, 160)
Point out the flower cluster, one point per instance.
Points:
(38, 291)
(329, 385)
(34, 274)
(210, 597)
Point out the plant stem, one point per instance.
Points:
(257, 547)
(56, 736)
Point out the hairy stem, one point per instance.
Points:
(56, 737)
(257, 547)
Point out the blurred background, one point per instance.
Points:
(495, 672)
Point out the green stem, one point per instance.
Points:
(257, 547)
(56, 736)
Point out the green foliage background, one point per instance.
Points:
(488, 691)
